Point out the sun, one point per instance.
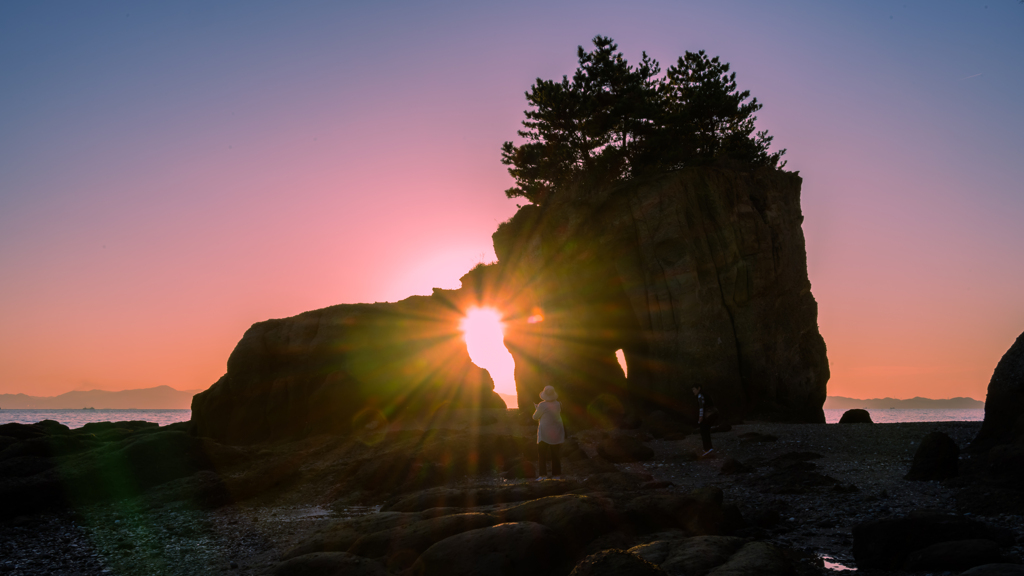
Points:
(484, 332)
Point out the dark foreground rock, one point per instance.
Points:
(616, 563)
(955, 555)
(511, 549)
(624, 448)
(1004, 404)
(889, 543)
(937, 458)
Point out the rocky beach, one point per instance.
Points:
(793, 498)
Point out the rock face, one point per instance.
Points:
(699, 276)
(343, 368)
(1004, 405)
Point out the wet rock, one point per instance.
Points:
(755, 559)
(510, 549)
(999, 569)
(329, 564)
(624, 448)
(955, 555)
(887, 543)
(937, 458)
(616, 563)
(856, 416)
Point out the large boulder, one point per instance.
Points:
(955, 555)
(624, 448)
(616, 563)
(937, 458)
(341, 369)
(697, 513)
(510, 549)
(856, 416)
(1004, 405)
(410, 541)
(698, 275)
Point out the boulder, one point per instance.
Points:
(856, 416)
(698, 275)
(616, 563)
(510, 549)
(660, 425)
(887, 543)
(955, 555)
(329, 564)
(342, 535)
(756, 559)
(624, 448)
(937, 458)
(697, 555)
(1004, 404)
(576, 518)
(411, 540)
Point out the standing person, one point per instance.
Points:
(550, 432)
(706, 414)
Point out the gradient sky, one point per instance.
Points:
(172, 172)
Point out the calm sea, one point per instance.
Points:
(78, 418)
(891, 415)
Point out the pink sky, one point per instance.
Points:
(171, 174)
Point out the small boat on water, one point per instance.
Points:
(89, 408)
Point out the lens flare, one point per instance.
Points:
(484, 332)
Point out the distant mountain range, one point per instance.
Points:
(958, 403)
(160, 397)
(165, 397)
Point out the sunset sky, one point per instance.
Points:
(172, 172)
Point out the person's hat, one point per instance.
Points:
(548, 394)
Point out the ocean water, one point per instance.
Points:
(892, 415)
(79, 418)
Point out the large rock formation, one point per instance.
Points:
(1004, 405)
(343, 367)
(699, 276)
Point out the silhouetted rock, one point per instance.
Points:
(340, 369)
(511, 549)
(616, 563)
(955, 555)
(577, 519)
(624, 448)
(1004, 404)
(329, 564)
(937, 458)
(698, 276)
(887, 543)
(856, 416)
(755, 559)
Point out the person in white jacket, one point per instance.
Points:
(550, 432)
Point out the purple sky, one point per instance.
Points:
(171, 173)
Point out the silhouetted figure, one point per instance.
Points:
(706, 415)
(550, 432)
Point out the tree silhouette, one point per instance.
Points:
(614, 121)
